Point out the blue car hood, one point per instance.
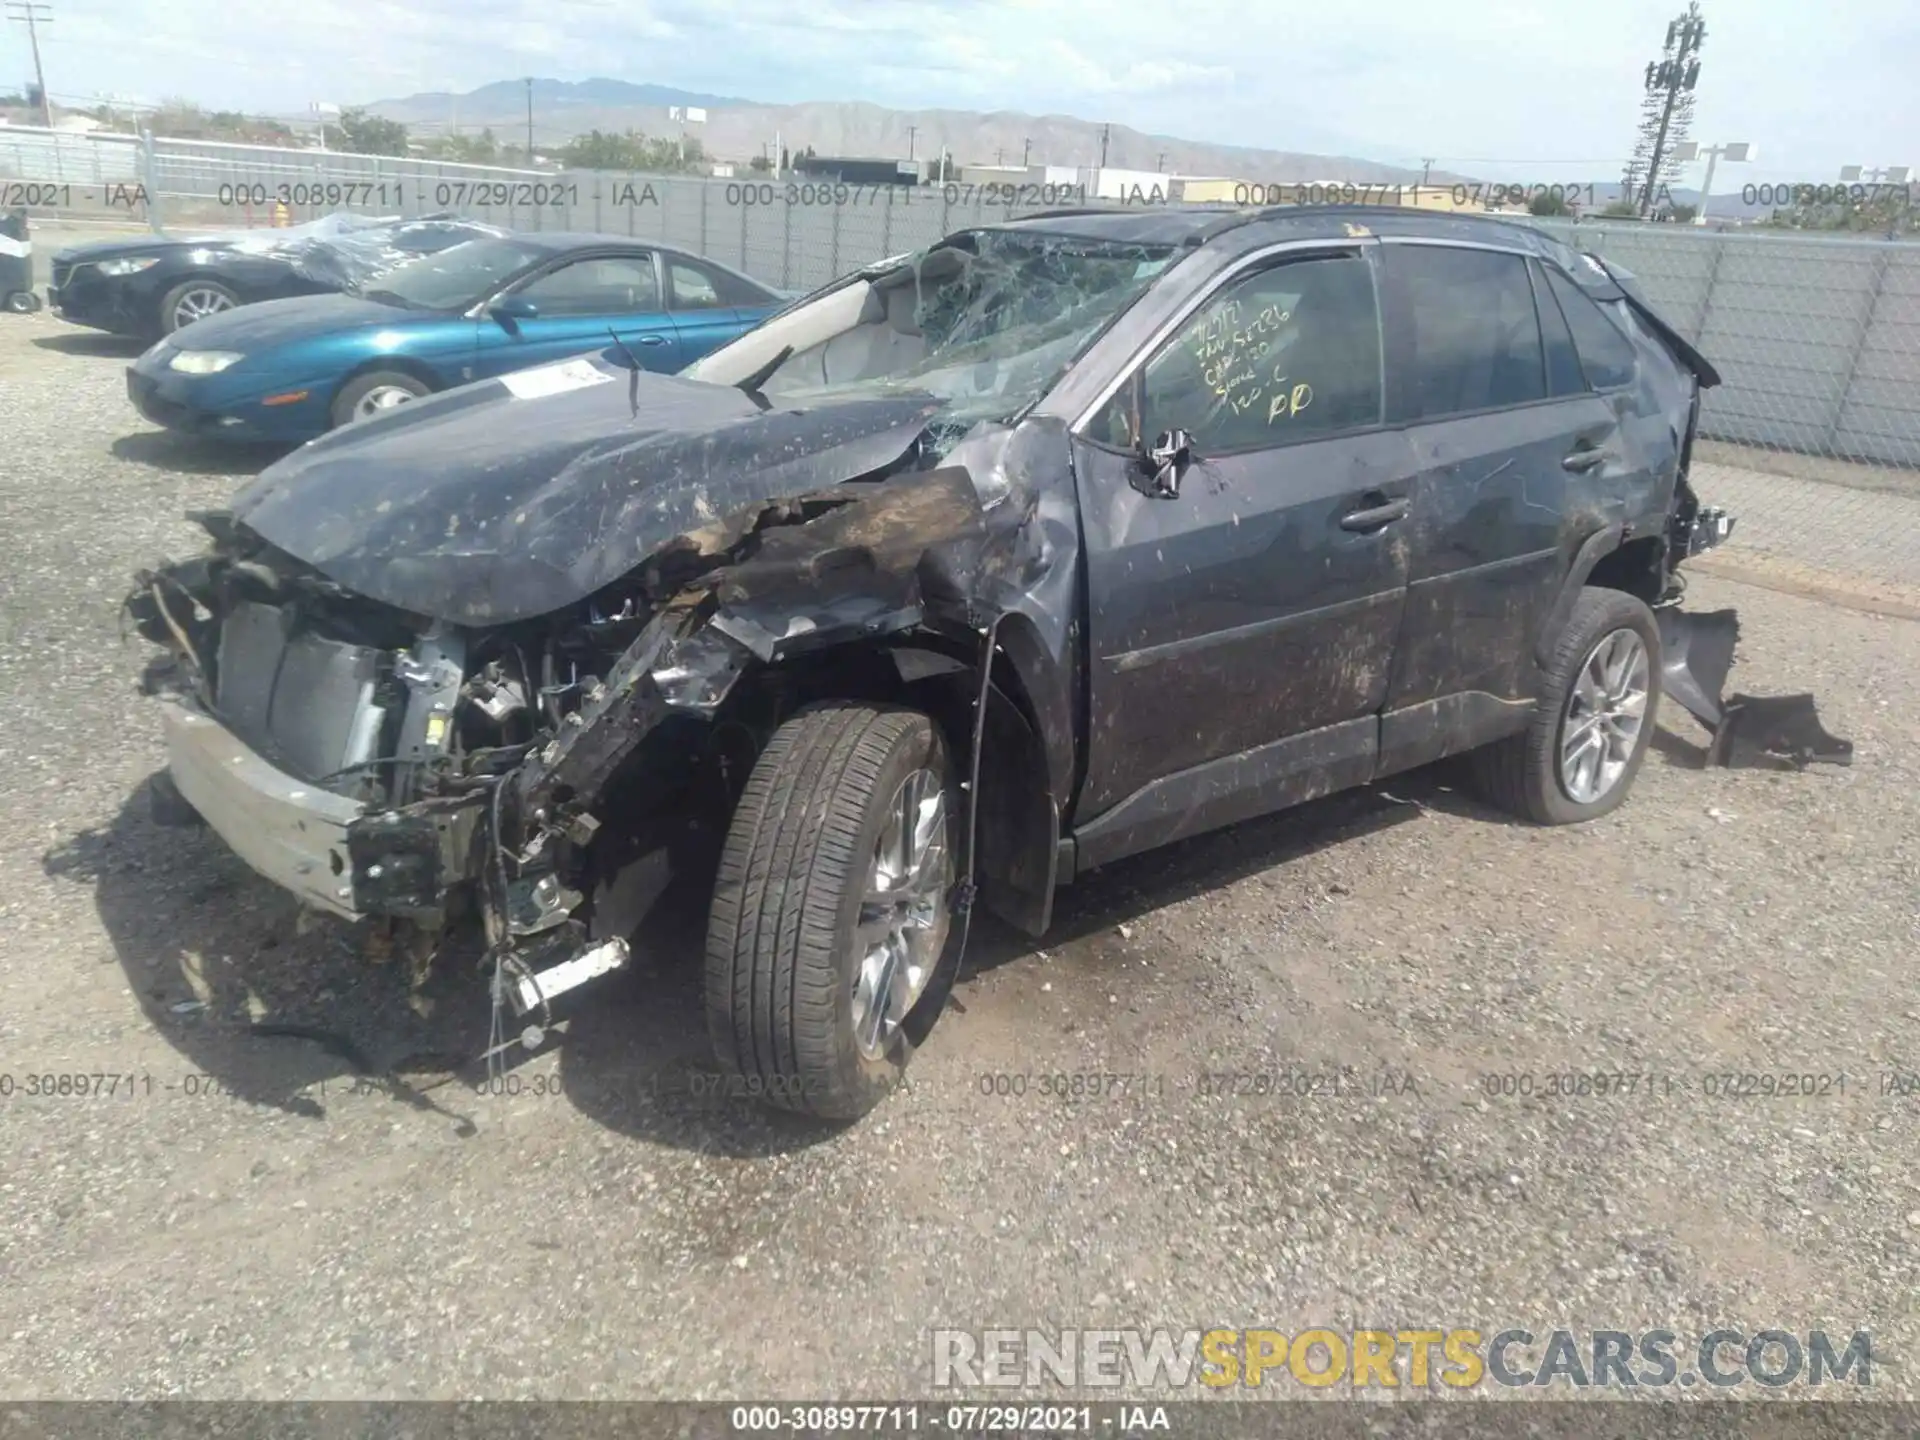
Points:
(511, 498)
(253, 328)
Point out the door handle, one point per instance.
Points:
(652, 340)
(1376, 516)
(1586, 457)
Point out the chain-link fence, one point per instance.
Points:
(1818, 340)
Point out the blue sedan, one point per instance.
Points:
(288, 370)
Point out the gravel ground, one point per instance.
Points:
(291, 1236)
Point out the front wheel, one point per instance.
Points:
(1578, 757)
(23, 302)
(378, 391)
(194, 300)
(832, 907)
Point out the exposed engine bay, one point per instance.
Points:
(440, 771)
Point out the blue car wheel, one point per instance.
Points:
(377, 390)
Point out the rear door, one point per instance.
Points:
(1260, 605)
(1518, 461)
(583, 303)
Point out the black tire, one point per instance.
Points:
(1522, 773)
(23, 302)
(170, 301)
(781, 957)
(361, 386)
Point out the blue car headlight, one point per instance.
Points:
(204, 362)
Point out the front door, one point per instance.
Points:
(1241, 633)
(582, 305)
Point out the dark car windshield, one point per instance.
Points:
(986, 320)
(457, 276)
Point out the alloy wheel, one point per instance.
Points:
(904, 918)
(1606, 707)
(198, 304)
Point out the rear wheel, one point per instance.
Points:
(375, 392)
(193, 300)
(23, 302)
(1578, 757)
(831, 909)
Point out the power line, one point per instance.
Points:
(33, 15)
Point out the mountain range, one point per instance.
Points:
(738, 129)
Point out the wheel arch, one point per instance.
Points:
(1609, 560)
(412, 365)
(1016, 807)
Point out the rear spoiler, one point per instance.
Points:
(1689, 356)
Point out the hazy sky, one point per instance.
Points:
(1519, 92)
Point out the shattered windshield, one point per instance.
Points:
(986, 320)
(455, 277)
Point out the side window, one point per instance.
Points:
(1605, 354)
(603, 285)
(1288, 353)
(1469, 336)
(1564, 376)
(692, 288)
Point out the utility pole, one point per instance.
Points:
(1026, 153)
(1105, 130)
(1160, 165)
(1669, 84)
(1426, 169)
(912, 130)
(33, 15)
(529, 122)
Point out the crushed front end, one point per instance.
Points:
(421, 775)
(358, 756)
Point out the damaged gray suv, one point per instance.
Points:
(981, 567)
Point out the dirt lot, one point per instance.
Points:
(239, 1221)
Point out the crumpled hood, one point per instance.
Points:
(493, 503)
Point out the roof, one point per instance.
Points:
(1195, 227)
(554, 240)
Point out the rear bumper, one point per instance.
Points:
(293, 833)
(327, 850)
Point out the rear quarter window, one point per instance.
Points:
(1606, 354)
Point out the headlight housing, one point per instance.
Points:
(129, 264)
(204, 362)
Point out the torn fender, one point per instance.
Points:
(807, 573)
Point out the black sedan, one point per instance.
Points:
(150, 286)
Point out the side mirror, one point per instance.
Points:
(1163, 463)
(511, 308)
